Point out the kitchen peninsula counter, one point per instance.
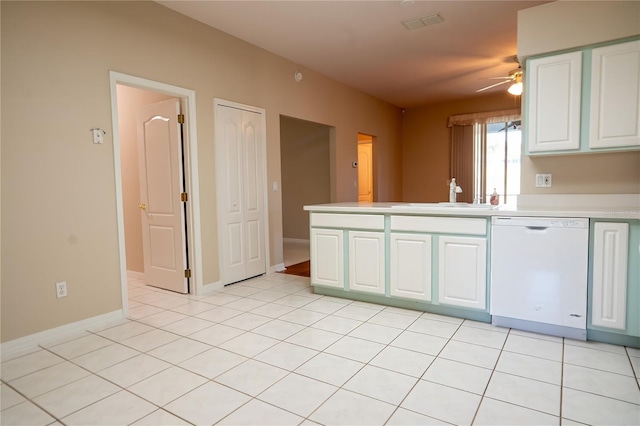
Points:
(437, 258)
(594, 212)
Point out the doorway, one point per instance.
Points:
(365, 168)
(147, 91)
(305, 163)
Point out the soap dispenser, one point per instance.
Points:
(495, 198)
(452, 191)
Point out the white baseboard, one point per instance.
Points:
(295, 241)
(135, 274)
(211, 288)
(41, 338)
(277, 268)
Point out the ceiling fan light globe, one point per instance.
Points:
(515, 89)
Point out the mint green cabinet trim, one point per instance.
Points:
(387, 255)
(613, 338)
(587, 58)
(345, 258)
(633, 284)
(488, 269)
(406, 304)
(435, 269)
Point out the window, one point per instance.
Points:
(485, 154)
(502, 160)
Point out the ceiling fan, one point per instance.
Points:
(514, 77)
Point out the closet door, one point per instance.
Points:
(240, 193)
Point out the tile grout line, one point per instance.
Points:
(633, 370)
(482, 397)
(562, 379)
(289, 372)
(341, 387)
(423, 373)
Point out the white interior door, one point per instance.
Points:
(240, 186)
(365, 172)
(163, 226)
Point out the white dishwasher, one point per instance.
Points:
(539, 274)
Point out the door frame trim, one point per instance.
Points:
(194, 235)
(265, 192)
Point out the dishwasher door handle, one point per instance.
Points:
(537, 229)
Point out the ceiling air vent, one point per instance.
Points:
(425, 21)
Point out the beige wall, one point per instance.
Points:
(568, 24)
(58, 190)
(571, 24)
(426, 144)
(304, 150)
(612, 173)
(130, 100)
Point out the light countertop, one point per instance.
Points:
(626, 209)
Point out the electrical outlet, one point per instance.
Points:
(543, 180)
(61, 289)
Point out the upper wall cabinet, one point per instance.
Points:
(554, 102)
(615, 96)
(584, 101)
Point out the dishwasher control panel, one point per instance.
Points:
(541, 222)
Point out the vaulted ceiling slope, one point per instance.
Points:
(365, 45)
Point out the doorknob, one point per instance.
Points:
(143, 206)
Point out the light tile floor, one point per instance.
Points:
(270, 352)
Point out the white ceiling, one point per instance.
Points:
(363, 43)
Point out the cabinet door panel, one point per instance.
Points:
(327, 257)
(462, 268)
(410, 265)
(553, 99)
(366, 262)
(610, 253)
(615, 96)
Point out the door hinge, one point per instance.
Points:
(180, 118)
(187, 273)
(184, 197)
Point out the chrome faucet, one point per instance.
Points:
(454, 190)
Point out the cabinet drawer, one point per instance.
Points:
(348, 221)
(442, 225)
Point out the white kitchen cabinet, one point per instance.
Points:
(615, 96)
(462, 271)
(610, 254)
(553, 99)
(327, 257)
(410, 266)
(367, 261)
